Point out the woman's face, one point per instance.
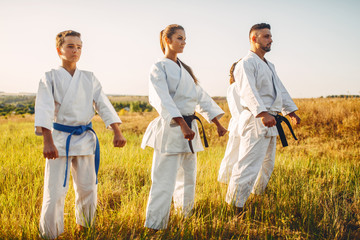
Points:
(177, 41)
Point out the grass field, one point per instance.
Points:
(314, 192)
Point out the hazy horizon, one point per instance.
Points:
(314, 48)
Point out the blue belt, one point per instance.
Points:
(78, 130)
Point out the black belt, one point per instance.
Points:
(279, 119)
(188, 120)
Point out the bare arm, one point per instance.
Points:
(50, 151)
(119, 139)
(220, 129)
(188, 133)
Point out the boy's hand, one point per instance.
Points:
(119, 139)
(50, 151)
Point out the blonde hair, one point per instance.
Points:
(232, 78)
(168, 32)
(60, 37)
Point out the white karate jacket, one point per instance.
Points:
(71, 100)
(233, 100)
(261, 90)
(173, 93)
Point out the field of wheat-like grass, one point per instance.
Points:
(314, 192)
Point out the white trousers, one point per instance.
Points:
(173, 176)
(253, 169)
(84, 180)
(231, 156)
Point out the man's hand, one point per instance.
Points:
(220, 129)
(50, 151)
(119, 139)
(267, 119)
(294, 118)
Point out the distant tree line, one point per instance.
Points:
(25, 105)
(21, 104)
(136, 106)
(343, 96)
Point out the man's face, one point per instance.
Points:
(264, 39)
(70, 51)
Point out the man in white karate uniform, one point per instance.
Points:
(263, 96)
(64, 108)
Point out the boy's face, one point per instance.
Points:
(70, 51)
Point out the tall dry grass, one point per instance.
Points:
(312, 194)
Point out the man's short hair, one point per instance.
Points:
(60, 37)
(258, 27)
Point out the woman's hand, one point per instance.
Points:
(185, 129)
(220, 129)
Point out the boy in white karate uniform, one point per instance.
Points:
(64, 108)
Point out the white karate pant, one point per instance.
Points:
(230, 158)
(253, 169)
(173, 176)
(84, 180)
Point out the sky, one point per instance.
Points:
(315, 42)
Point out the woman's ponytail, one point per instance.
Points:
(189, 71)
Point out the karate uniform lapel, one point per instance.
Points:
(185, 92)
(185, 100)
(71, 92)
(276, 105)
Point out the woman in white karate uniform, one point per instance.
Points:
(232, 148)
(175, 93)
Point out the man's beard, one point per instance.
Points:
(266, 48)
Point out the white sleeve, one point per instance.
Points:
(159, 96)
(233, 99)
(44, 105)
(206, 106)
(246, 80)
(288, 104)
(103, 106)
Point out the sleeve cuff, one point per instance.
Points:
(39, 126)
(108, 124)
(289, 110)
(257, 110)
